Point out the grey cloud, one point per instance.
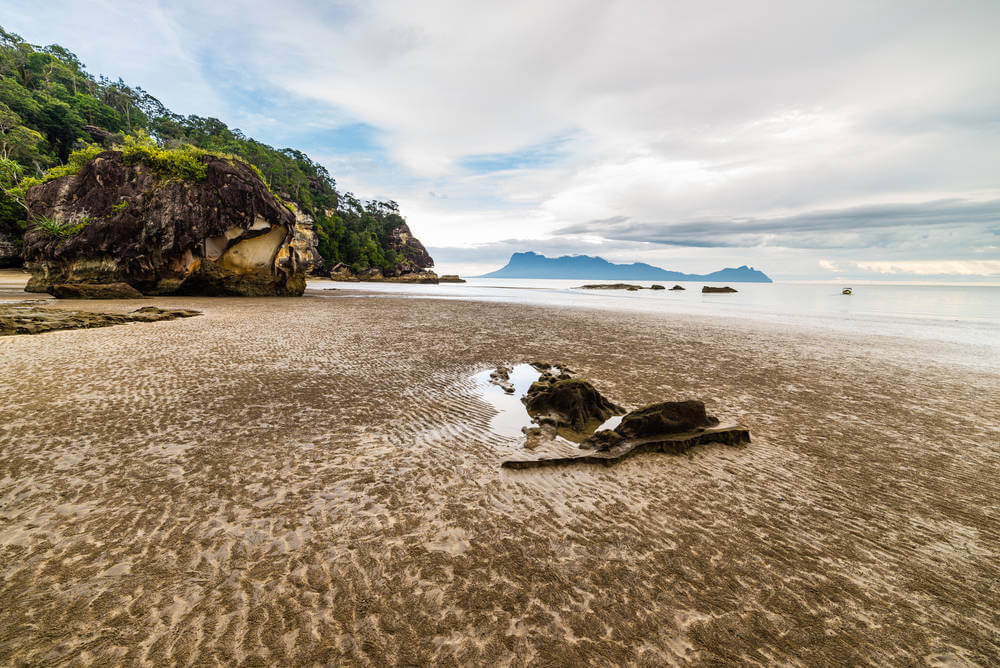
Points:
(870, 226)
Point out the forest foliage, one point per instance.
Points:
(49, 105)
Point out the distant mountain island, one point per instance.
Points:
(533, 265)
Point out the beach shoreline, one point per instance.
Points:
(314, 480)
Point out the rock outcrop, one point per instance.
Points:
(501, 378)
(342, 272)
(35, 318)
(306, 242)
(672, 427)
(710, 289)
(655, 421)
(545, 454)
(116, 222)
(94, 291)
(568, 402)
(413, 258)
(656, 287)
(667, 417)
(611, 286)
(678, 287)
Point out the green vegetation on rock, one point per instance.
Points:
(55, 117)
(62, 228)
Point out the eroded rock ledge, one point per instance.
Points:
(34, 318)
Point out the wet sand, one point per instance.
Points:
(313, 481)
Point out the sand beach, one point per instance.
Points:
(313, 481)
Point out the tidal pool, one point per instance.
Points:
(511, 415)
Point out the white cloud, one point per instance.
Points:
(933, 267)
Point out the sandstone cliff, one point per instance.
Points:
(413, 257)
(122, 222)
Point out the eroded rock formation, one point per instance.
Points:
(666, 417)
(226, 234)
(558, 402)
(36, 318)
(568, 402)
(413, 258)
(94, 291)
(710, 289)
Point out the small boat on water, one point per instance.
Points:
(846, 291)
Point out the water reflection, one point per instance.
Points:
(511, 414)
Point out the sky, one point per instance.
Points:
(812, 140)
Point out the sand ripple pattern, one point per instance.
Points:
(312, 482)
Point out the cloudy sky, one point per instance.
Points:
(813, 140)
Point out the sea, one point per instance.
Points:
(963, 315)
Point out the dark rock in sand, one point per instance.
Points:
(675, 444)
(154, 313)
(667, 417)
(35, 318)
(572, 403)
(657, 287)
(708, 288)
(602, 440)
(501, 378)
(678, 287)
(94, 291)
(538, 436)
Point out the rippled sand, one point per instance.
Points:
(313, 481)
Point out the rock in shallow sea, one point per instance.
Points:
(611, 286)
(710, 289)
